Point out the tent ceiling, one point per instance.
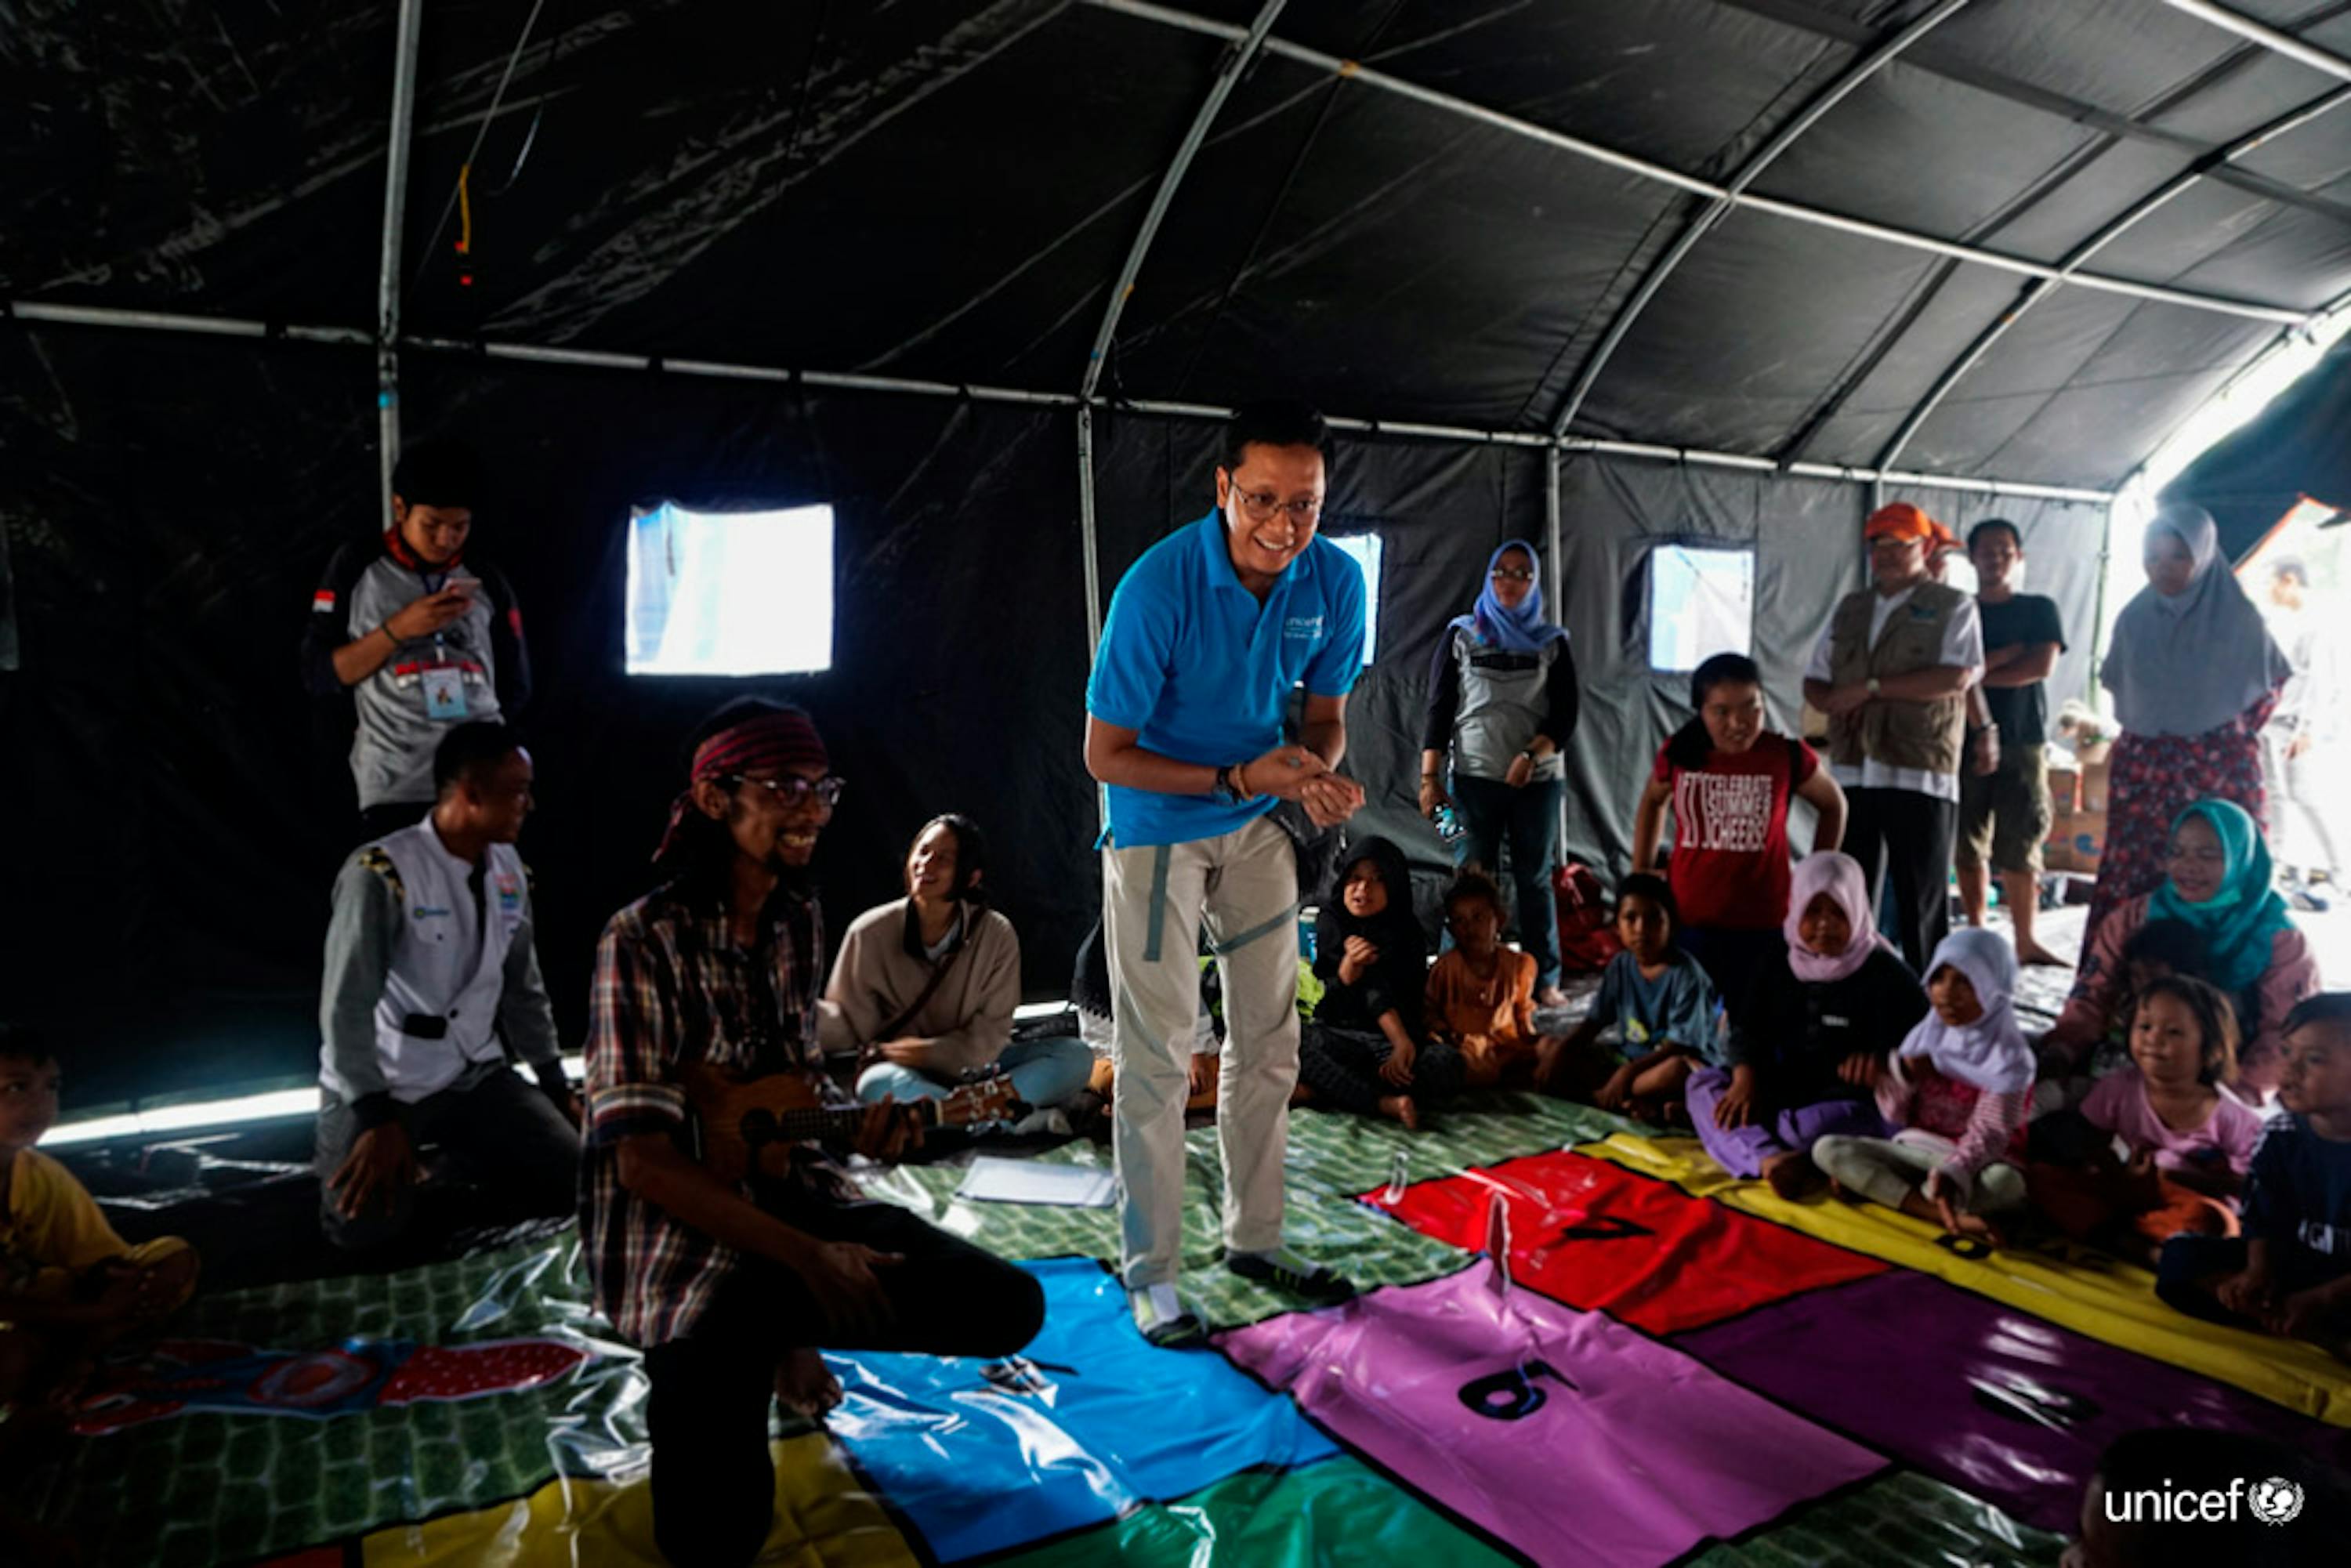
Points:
(949, 189)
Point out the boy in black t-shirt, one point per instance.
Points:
(2004, 808)
(2290, 1274)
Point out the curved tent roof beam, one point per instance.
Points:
(1704, 221)
(2040, 289)
(1797, 212)
(1228, 74)
(2267, 37)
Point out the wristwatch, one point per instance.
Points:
(1226, 788)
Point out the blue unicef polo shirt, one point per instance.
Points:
(1202, 673)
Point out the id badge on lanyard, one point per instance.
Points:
(444, 679)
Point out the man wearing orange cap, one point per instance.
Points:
(1892, 672)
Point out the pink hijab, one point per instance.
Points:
(1839, 876)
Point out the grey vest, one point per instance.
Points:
(1503, 702)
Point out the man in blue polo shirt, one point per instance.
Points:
(1207, 635)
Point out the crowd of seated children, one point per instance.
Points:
(2157, 1149)
(1955, 1095)
(1481, 995)
(1367, 1047)
(2289, 1273)
(1660, 1005)
(1805, 1049)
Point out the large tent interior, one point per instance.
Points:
(1629, 279)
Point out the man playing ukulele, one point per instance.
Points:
(730, 1287)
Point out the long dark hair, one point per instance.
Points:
(1690, 744)
(971, 854)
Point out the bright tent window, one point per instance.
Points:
(730, 594)
(1364, 549)
(1701, 603)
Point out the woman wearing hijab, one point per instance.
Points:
(2219, 881)
(1502, 701)
(1957, 1093)
(1365, 1050)
(2194, 673)
(1817, 1023)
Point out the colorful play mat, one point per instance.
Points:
(1578, 1343)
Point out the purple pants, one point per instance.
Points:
(1741, 1151)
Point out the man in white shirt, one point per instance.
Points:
(2298, 743)
(430, 959)
(1892, 672)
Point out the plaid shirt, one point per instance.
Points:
(674, 988)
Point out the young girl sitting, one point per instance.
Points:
(1661, 1002)
(2188, 1144)
(1957, 1091)
(1816, 1024)
(1359, 1052)
(1481, 995)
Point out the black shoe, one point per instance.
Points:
(1286, 1271)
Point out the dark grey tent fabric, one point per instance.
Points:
(2299, 447)
(948, 189)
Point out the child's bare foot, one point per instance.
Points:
(805, 1385)
(1976, 1225)
(1400, 1108)
(1790, 1174)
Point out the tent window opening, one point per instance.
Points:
(1364, 548)
(1701, 603)
(729, 593)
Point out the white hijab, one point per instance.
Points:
(1991, 1053)
(2188, 663)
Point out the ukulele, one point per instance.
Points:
(747, 1119)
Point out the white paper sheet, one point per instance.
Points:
(994, 1180)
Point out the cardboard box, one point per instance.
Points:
(2065, 789)
(2093, 754)
(2077, 841)
(2093, 786)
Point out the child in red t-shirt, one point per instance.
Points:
(1728, 778)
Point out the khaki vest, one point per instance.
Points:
(1924, 736)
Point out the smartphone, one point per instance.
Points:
(468, 586)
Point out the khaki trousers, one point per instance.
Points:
(1242, 890)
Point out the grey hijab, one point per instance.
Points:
(2190, 662)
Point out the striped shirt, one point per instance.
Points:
(674, 988)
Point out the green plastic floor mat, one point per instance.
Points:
(202, 1487)
(1336, 1511)
(1901, 1519)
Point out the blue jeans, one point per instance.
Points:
(1043, 1072)
(1492, 813)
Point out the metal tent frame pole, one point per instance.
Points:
(2040, 289)
(1703, 223)
(2267, 37)
(1364, 76)
(395, 214)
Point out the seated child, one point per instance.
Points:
(1661, 1002)
(2188, 1143)
(1481, 995)
(1958, 1091)
(2290, 1272)
(68, 1285)
(1360, 1052)
(2144, 1477)
(1807, 1046)
(2156, 949)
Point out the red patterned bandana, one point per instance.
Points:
(777, 741)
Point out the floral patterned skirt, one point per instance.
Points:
(2154, 777)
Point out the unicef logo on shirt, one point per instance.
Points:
(1303, 626)
(2275, 1500)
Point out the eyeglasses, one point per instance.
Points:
(1261, 506)
(1513, 574)
(796, 793)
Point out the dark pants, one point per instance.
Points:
(1905, 839)
(1732, 959)
(713, 1484)
(2193, 1266)
(1493, 814)
(1343, 1065)
(502, 1135)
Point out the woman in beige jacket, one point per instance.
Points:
(925, 985)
